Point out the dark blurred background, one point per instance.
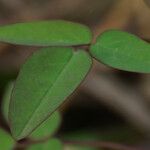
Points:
(110, 104)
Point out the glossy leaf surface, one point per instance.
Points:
(6, 142)
(52, 144)
(47, 78)
(46, 33)
(123, 51)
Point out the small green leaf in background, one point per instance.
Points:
(46, 33)
(6, 142)
(52, 144)
(48, 127)
(6, 100)
(123, 51)
(47, 78)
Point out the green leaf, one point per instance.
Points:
(6, 100)
(46, 33)
(6, 142)
(44, 82)
(123, 51)
(47, 128)
(53, 144)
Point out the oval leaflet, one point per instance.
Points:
(47, 78)
(46, 33)
(123, 51)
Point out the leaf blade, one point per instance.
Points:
(122, 51)
(46, 33)
(47, 128)
(50, 74)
